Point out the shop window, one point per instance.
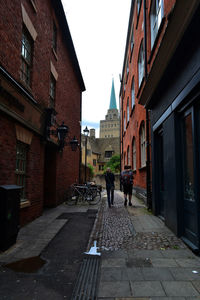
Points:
(156, 16)
(134, 154)
(20, 171)
(142, 146)
(26, 57)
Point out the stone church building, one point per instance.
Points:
(100, 150)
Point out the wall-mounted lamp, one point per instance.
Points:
(61, 132)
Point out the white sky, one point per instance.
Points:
(98, 29)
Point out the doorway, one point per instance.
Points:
(189, 201)
(160, 173)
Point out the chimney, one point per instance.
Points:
(92, 133)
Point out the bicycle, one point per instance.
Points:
(84, 193)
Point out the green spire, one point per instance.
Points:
(113, 104)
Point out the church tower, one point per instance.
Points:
(110, 127)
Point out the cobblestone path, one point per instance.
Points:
(114, 229)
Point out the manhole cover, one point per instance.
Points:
(27, 265)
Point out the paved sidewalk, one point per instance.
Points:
(142, 259)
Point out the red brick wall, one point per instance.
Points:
(67, 103)
(138, 114)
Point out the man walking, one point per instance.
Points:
(127, 182)
(110, 179)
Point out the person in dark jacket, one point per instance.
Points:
(127, 183)
(110, 179)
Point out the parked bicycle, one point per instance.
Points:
(84, 193)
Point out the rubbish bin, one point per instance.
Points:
(9, 215)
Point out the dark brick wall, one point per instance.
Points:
(67, 103)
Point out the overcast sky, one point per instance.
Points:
(98, 30)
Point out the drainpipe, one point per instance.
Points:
(148, 175)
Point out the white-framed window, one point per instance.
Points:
(156, 15)
(128, 156)
(133, 93)
(134, 153)
(124, 121)
(142, 146)
(141, 64)
(127, 111)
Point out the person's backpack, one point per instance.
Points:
(127, 177)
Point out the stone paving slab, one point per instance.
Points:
(116, 288)
(185, 273)
(147, 288)
(179, 288)
(157, 274)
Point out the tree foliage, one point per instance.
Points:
(114, 164)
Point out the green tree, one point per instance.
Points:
(114, 164)
(91, 168)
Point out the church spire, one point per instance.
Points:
(113, 104)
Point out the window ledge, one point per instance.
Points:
(25, 203)
(143, 168)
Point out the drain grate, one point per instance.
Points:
(86, 284)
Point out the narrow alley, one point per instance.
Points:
(140, 258)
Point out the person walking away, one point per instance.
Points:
(110, 179)
(127, 183)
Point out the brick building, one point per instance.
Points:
(168, 69)
(40, 88)
(133, 115)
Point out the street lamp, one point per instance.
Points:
(86, 132)
(59, 131)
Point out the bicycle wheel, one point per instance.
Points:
(95, 198)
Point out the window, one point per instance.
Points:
(128, 156)
(20, 171)
(54, 41)
(132, 39)
(94, 162)
(134, 154)
(100, 167)
(141, 64)
(138, 6)
(127, 111)
(52, 91)
(142, 146)
(26, 57)
(127, 69)
(133, 93)
(124, 121)
(124, 159)
(156, 16)
(108, 154)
